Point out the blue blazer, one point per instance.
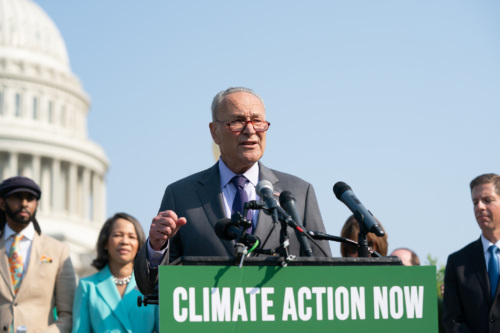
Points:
(98, 307)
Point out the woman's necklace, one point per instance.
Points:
(121, 282)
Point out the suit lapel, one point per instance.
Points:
(210, 195)
(4, 269)
(264, 221)
(481, 272)
(107, 289)
(34, 261)
(129, 301)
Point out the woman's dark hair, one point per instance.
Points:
(351, 230)
(102, 254)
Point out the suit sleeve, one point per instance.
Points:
(313, 221)
(81, 315)
(453, 311)
(65, 285)
(174, 246)
(145, 275)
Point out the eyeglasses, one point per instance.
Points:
(239, 125)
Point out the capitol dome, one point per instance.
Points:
(43, 129)
(28, 34)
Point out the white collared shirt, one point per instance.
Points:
(486, 244)
(229, 190)
(24, 245)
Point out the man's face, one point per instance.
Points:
(20, 209)
(486, 208)
(239, 150)
(404, 255)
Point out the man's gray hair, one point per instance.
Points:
(221, 95)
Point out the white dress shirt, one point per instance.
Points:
(486, 244)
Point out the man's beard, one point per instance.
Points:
(13, 215)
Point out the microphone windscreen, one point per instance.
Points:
(339, 188)
(285, 196)
(262, 185)
(221, 227)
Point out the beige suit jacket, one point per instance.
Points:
(49, 282)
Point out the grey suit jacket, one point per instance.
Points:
(49, 282)
(199, 199)
(467, 304)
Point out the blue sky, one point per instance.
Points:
(399, 99)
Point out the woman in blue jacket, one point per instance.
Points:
(107, 300)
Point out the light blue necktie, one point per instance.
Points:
(493, 269)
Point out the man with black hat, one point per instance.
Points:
(36, 274)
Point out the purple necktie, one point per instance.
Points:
(240, 198)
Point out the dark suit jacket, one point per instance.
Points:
(199, 199)
(468, 306)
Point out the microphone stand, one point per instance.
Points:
(362, 241)
(276, 213)
(240, 245)
(148, 299)
(286, 220)
(284, 243)
(322, 236)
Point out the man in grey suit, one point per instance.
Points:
(192, 206)
(471, 296)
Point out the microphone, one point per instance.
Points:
(288, 202)
(227, 230)
(323, 236)
(344, 193)
(265, 190)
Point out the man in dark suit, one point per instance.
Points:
(471, 295)
(192, 206)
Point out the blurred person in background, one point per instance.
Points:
(471, 297)
(351, 230)
(107, 300)
(36, 272)
(407, 256)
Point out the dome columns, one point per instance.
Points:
(70, 190)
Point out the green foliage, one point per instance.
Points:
(439, 273)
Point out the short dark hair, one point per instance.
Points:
(487, 178)
(102, 254)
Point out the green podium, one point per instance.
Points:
(212, 294)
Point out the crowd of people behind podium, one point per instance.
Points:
(38, 286)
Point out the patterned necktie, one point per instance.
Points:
(240, 198)
(493, 269)
(16, 263)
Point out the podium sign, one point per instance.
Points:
(298, 299)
